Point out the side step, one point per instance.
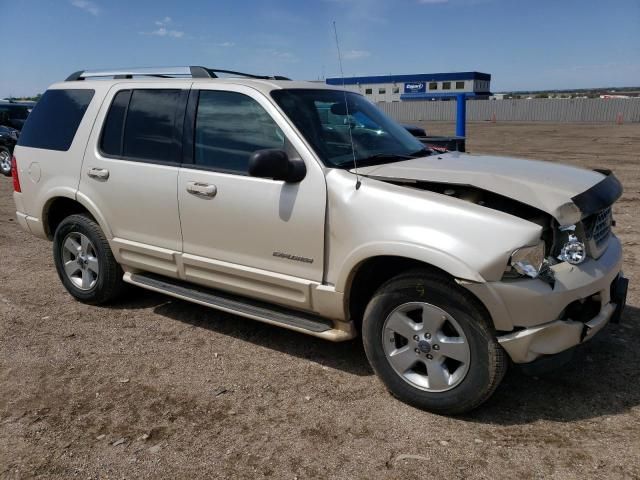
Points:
(245, 307)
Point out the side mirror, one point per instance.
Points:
(415, 131)
(340, 108)
(272, 163)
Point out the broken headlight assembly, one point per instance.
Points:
(573, 250)
(527, 261)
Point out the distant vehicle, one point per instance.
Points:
(14, 114)
(614, 96)
(8, 140)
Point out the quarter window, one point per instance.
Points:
(111, 142)
(55, 119)
(231, 126)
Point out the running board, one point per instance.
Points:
(245, 307)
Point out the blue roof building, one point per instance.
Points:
(421, 86)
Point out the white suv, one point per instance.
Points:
(304, 206)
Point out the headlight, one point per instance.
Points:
(528, 260)
(573, 251)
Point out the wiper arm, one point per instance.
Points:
(423, 152)
(386, 156)
(380, 157)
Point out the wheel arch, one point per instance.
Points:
(368, 274)
(59, 207)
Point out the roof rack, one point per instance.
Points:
(165, 72)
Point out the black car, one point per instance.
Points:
(14, 114)
(8, 140)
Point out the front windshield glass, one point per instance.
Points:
(321, 116)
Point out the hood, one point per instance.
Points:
(567, 193)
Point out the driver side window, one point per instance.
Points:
(229, 127)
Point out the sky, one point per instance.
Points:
(523, 44)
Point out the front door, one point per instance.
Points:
(254, 236)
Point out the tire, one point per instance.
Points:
(91, 274)
(441, 318)
(5, 161)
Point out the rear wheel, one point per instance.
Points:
(5, 161)
(84, 261)
(432, 344)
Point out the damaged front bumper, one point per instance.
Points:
(545, 320)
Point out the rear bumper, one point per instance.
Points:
(31, 225)
(28, 223)
(539, 313)
(22, 221)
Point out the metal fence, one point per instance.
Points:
(534, 110)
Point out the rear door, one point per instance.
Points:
(255, 236)
(130, 172)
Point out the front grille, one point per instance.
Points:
(598, 226)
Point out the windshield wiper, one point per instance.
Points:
(377, 158)
(423, 152)
(384, 157)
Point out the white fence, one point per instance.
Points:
(534, 110)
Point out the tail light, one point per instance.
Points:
(14, 175)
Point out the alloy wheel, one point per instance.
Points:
(5, 161)
(426, 346)
(80, 261)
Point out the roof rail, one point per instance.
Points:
(164, 72)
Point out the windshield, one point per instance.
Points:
(321, 116)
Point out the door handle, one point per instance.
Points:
(98, 173)
(202, 189)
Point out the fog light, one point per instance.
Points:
(573, 251)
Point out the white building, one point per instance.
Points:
(422, 86)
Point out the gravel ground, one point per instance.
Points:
(159, 388)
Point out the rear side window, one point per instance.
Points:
(54, 120)
(150, 128)
(231, 126)
(145, 125)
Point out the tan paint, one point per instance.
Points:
(141, 206)
(529, 302)
(527, 345)
(548, 187)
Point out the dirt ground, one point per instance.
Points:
(160, 388)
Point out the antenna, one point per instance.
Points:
(346, 105)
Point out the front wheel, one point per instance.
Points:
(84, 261)
(431, 344)
(5, 161)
